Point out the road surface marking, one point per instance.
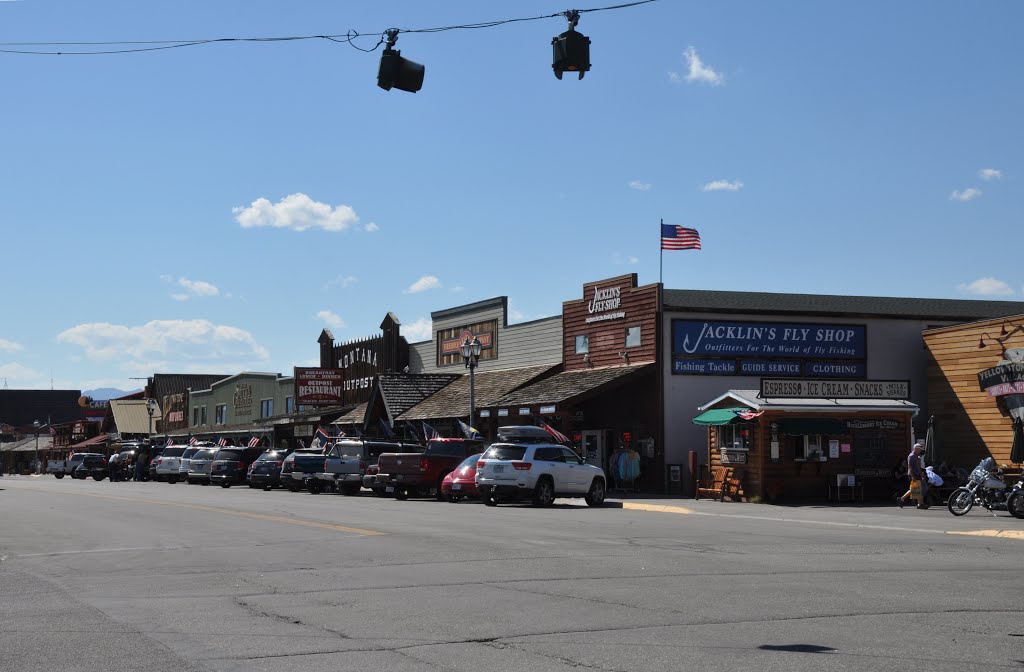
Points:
(229, 512)
(661, 508)
(1002, 534)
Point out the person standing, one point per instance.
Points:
(915, 469)
(112, 468)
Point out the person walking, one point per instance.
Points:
(915, 469)
(112, 468)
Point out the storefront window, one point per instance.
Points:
(582, 344)
(202, 415)
(289, 404)
(266, 408)
(195, 415)
(807, 447)
(735, 437)
(220, 413)
(633, 337)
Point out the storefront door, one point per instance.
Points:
(593, 447)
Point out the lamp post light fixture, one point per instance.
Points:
(471, 355)
(150, 408)
(36, 458)
(1002, 338)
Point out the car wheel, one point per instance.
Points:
(205, 482)
(97, 477)
(490, 499)
(595, 497)
(226, 484)
(544, 492)
(59, 475)
(314, 487)
(267, 488)
(401, 493)
(454, 499)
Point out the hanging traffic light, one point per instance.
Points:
(571, 49)
(398, 72)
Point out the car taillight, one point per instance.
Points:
(373, 469)
(278, 464)
(521, 466)
(325, 464)
(362, 465)
(480, 464)
(423, 463)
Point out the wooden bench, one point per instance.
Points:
(712, 484)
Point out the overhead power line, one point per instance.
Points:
(349, 37)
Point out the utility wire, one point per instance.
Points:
(137, 46)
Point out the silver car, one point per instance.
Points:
(183, 461)
(199, 466)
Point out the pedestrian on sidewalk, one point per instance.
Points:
(918, 478)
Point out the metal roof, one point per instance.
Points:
(700, 300)
(131, 416)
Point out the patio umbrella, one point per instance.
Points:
(931, 447)
(1017, 451)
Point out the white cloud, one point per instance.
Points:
(698, 71)
(640, 186)
(332, 319)
(180, 297)
(343, 281)
(297, 212)
(722, 185)
(420, 330)
(457, 289)
(968, 194)
(986, 287)
(10, 346)
(371, 227)
(181, 345)
(19, 376)
(618, 258)
(989, 174)
(423, 284)
(199, 287)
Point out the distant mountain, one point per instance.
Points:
(104, 393)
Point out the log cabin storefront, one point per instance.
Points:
(798, 447)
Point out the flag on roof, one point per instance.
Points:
(222, 442)
(469, 432)
(429, 433)
(555, 434)
(387, 430)
(679, 238)
(254, 441)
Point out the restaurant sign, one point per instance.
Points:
(772, 388)
(1006, 378)
(319, 387)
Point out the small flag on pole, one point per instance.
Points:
(555, 434)
(222, 442)
(53, 431)
(192, 440)
(429, 433)
(254, 442)
(321, 436)
(679, 238)
(170, 442)
(469, 432)
(388, 433)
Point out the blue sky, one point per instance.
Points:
(212, 208)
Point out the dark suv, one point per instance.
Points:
(231, 465)
(266, 470)
(92, 465)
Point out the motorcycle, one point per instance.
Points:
(985, 487)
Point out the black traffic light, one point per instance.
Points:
(571, 49)
(398, 72)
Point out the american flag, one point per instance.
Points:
(679, 238)
(192, 440)
(748, 415)
(254, 441)
(222, 442)
(170, 441)
(555, 434)
(321, 435)
(429, 433)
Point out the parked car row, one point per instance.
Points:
(523, 464)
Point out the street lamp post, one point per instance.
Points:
(471, 355)
(36, 458)
(150, 408)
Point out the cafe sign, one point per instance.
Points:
(1006, 378)
(774, 388)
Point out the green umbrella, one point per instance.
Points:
(1017, 451)
(931, 448)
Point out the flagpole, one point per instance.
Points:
(661, 252)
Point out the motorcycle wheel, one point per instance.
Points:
(960, 502)
(1015, 504)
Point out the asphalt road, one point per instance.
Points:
(152, 576)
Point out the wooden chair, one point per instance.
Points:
(712, 484)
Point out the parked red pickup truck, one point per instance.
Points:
(420, 474)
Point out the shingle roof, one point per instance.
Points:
(402, 391)
(570, 384)
(699, 300)
(173, 383)
(489, 386)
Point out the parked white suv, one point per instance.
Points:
(168, 463)
(540, 471)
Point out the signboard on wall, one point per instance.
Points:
(319, 387)
(174, 413)
(449, 341)
(769, 349)
(834, 389)
(1006, 378)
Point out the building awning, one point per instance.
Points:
(132, 416)
(97, 440)
(801, 426)
(720, 416)
(573, 387)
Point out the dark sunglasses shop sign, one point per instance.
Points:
(769, 348)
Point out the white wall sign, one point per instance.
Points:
(524, 411)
